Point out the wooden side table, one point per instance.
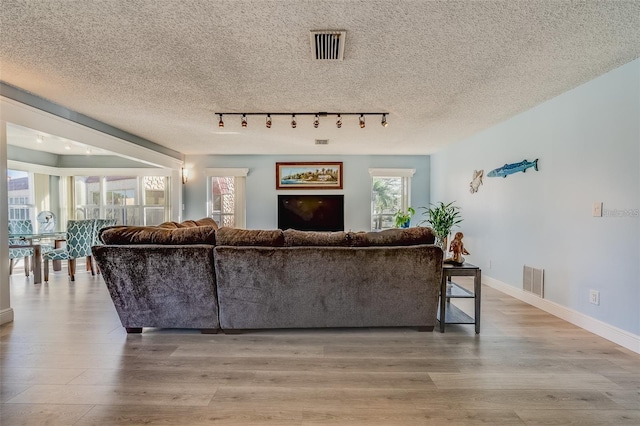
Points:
(450, 290)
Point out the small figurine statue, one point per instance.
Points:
(457, 248)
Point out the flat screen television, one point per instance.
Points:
(311, 212)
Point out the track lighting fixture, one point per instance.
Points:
(294, 123)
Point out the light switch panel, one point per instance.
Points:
(597, 209)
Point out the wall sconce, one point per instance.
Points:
(185, 175)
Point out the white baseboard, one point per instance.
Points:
(602, 329)
(6, 315)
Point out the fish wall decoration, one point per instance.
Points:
(509, 169)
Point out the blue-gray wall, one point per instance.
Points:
(588, 143)
(261, 194)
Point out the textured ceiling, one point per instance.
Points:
(443, 69)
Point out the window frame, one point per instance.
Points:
(405, 201)
(240, 177)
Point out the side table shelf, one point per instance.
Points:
(451, 290)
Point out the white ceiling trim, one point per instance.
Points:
(227, 172)
(27, 116)
(392, 172)
(69, 171)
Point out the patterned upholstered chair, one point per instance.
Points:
(79, 240)
(99, 224)
(20, 253)
(24, 227)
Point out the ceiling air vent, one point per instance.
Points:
(328, 44)
(322, 141)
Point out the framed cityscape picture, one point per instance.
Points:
(309, 175)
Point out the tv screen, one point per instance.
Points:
(311, 212)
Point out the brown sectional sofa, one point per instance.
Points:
(193, 275)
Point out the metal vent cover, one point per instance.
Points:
(328, 44)
(322, 141)
(533, 280)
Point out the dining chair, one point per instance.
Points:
(99, 224)
(24, 227)
(79, 240)
(20, 253)
(19, 227)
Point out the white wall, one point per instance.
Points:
(261, 185)
(6, 312)
(588, 144)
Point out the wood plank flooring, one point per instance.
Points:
(66, 360)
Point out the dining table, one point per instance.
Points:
(34, 241)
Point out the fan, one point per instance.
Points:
(46, 222)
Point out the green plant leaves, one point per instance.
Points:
(442, 217)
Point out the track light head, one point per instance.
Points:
(316, 122)
(362, 121)
(243, 121)
(384, 120)
(221, 123)
(268, 124)
(339, 121)
(293, 121)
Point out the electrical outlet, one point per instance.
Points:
(597, 209)
(594, 297)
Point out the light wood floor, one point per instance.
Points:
(67, 361)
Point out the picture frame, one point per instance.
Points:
(309, 175)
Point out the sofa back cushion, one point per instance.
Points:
(249, 237)
(393, 237)
(201, 231)
(293, 238)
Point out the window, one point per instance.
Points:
(390, 192)
(20, 195)
(226, 197)
(132, 200)
(155, 199)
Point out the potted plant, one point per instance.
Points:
(402, 218)
(442, 217)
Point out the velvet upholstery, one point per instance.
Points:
(393, 237)
(249, 237)
(157, 235)
(301, 287)
(160, 285)
(250, 279)
(293, 238)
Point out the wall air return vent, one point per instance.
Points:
(322, 141)
(328, 44)
(533, 280)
